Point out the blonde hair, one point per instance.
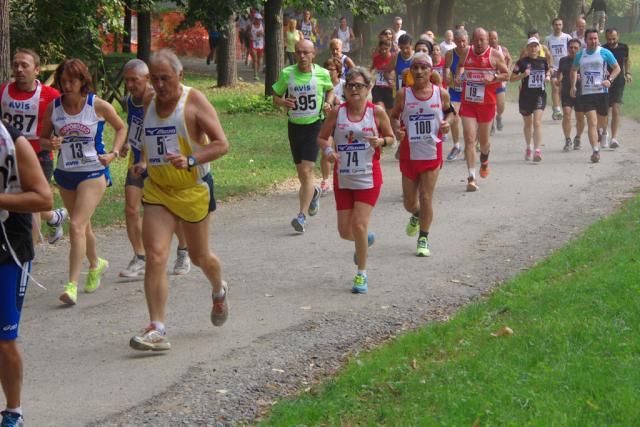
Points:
(335, 43)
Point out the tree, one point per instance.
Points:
(5, 47)
(126, 41)
(226, 64)
(274, 43)
(569, 11)
(427, 10)
(445, 15)
(144, 34)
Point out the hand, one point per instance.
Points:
(527, 72)
(124, 150)
(375, 141)
(489, 79)
(572, 92)
(56, 142)
(627, 78)
(177, 160)
(445, 127)
(138, 169)
(326, 107)
(289, 102)
(333, 157)
(606, 83)
(400, 133)
(105, 159)
(547, 79)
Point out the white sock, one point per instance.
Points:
(363, 272)
(17, 410)
(472, 173)
(457, 145)
(219, 294)
(530, 147)
(159, 326)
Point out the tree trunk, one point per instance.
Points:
(226, 65)
(363, 32)
(445, 15)
(144, 35)
(126, 40)
(428, 12)
(569, 12)
(413, 24)
(5, 48)
(274, 43)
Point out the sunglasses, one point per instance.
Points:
(355, 86)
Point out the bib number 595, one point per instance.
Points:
(306, 102)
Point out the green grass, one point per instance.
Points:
(572, 360)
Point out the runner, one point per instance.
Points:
(451, 61)
(309, 26)
(344, 33)
(306, 91)
(592, 64)
(448, 43)
(397, 29)
(292, 36)
(580, 32)
(359, 128)
(23, 104)
(438, 66)
(73, 124)
(214, 37)
(400, 62)
(136, 80)
(599, 9)
(534, 73)
(621, 53)
(182, 135)
(544, 50)
(23, 189)
(257, 44)
(382, 91)
(421, 115)
(244, 34)
(484, 69)
(569, 104)
(557, 43)
(501, 102)
(335, 46)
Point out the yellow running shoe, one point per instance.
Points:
(70, 294)
(423, 247)
(94, 276)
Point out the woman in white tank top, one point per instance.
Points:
(359, 129)
(345, 34)
(73, 124)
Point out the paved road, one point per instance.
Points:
(292, 315)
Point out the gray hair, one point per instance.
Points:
(423, 56)
(169, 56)
(138, 65)
(460, 33)
(359, 72)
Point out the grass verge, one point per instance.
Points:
(572, 360)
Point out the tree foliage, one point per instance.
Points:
(367, 9)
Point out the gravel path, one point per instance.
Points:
(293, 319)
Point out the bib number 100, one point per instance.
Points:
(423, 127)
(306, 102)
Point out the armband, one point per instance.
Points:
(450, 110)
(328, 151)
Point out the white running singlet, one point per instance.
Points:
(22, 114)
(422, 119)
(558, 47)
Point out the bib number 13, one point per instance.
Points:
(306, 102)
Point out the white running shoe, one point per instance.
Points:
(614, 143)
(134, 269)
(150, 339)
(183, 263)
(55, 227)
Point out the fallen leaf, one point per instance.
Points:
(222, 391)
(593, 405)
(505, 330)
(476, 423)
(414, 364)
(278, 370)
(455, 281)
(306, 307)
(268, 295)
(272, 386)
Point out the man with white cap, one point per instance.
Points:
(256, 30)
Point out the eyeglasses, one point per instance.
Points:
(355, 86)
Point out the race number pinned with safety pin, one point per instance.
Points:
(474, 87)
(160, 141)
(78, 151)
(381, 80)
(536, 79)
(134, 138)
(422, 145)
(591, 82)
(353, 158)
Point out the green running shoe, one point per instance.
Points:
(70, 294)
(94, 276)
(413, 226)
(360, 284)
(423, 247)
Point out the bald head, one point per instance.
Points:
(480, 40)
(581, 24)
(305, 54)
(305, 44)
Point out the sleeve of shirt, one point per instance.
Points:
(517, 69)
(281, 86)
(608, 57)
(576, 60)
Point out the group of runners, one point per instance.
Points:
(412, 93)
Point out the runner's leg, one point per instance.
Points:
(615, 120)
(132, 200)
(305, 170)
(470, 130)
(537, 128)
(359, 226)
(197, 237)
(566, 122)
(427, 185)
(11, 372)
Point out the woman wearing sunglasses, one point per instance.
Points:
(359, 128)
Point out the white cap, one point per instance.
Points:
(257, 16)
(533, 40)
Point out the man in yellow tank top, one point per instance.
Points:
(182, 134)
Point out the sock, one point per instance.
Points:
(457, 145)
(530, 147)
(424, 234)
(596, 150)
(183, 249)
(363, 272)
(484, 157)
(416, 214)
(158, 326)
(472, 173)
(141, 257)
(55, 219)
(17, 410)
(219, 294)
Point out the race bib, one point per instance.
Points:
(592, 80)
(159, 142)
(25, 121)
(474, 92)
(134, 138)
(353, 158)
(381, 79)
(420, 128)
(306, 98)
(78, 151)
(558, 50)
(536, 79)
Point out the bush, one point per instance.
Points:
(251, 104)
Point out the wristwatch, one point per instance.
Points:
(191, 162)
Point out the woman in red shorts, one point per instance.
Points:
(420, 116)
(359, 128)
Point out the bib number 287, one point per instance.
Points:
(23, 123)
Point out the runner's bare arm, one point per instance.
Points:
(207, 123)
(507, 57)
(548, 56)
(106, 110)
(396, 111)
(386, 132)
(325, 133)
(615, 71)
(449, 115)
(448, 59)
(574, 79)
(350, 64)
(502, 72)
(36, 194)
(48, 141)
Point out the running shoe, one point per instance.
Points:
(256, 78)
(557, 115)
(576, 143)
(11, 419)
(298, 223)
(150, 339)
(95, 274)
(413, 226)
(527, 154)
(324, 187)
(537, 156)
(499, 124)
(423, 247)
(371, 239)
(55, 227)
(471, 185)
(220, 309)
(615, 143)
(453, 154)
(134, 269)
(360, 284)
(183, 263)
(314, 206)
(484, 169)
(595, 157)
(70, 294)
(567, 145)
